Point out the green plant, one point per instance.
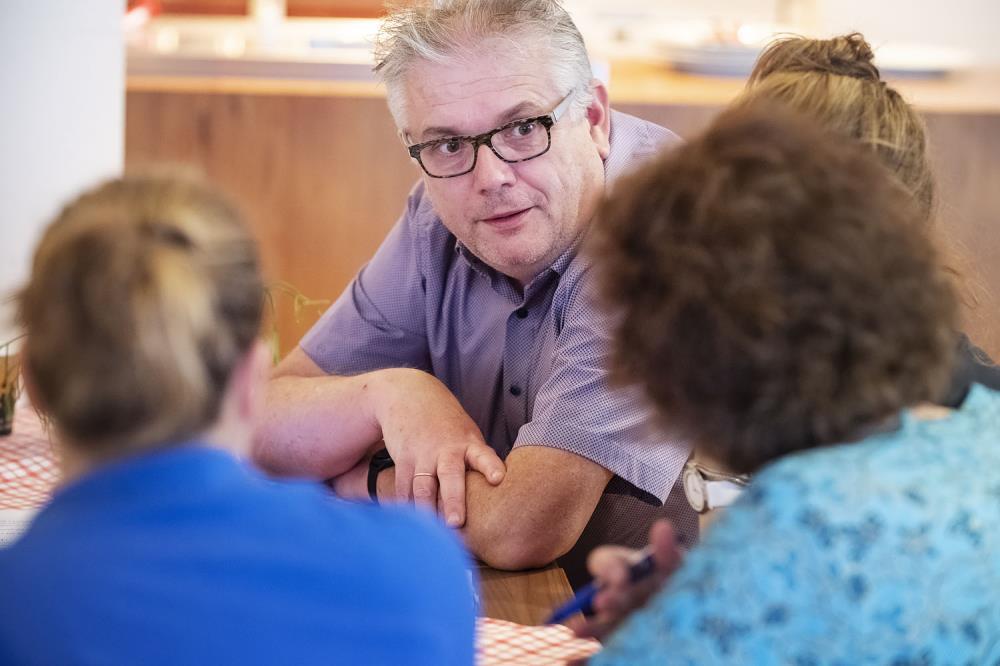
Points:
(300, 305)
(10, 386)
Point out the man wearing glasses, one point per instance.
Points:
(471, 337)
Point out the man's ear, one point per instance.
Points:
(599, 117)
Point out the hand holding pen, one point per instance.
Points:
(624, 580)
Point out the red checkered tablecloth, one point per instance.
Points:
(500, 643)
(28, 470)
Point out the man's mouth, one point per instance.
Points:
(506, 218)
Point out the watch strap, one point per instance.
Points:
(380, 461)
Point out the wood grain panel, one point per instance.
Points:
(196, 7)
(965, 152)
(321, 179)
(525, 597)
(350, 8)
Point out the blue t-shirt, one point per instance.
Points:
(187, 556)
(884, 551)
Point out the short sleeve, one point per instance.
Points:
(577, 410)
(379, 320)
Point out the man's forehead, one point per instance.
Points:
(473, 95)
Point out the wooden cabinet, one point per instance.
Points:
(353, 8)
(322, 175)
(321, 178)
(196, 7)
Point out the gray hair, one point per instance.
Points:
(442, 30)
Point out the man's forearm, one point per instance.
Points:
(491, 533)
(507, 534)
(317, 426)
(324, 426)
(535, 515)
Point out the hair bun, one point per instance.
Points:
(848, 55)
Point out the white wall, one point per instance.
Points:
(965, 24)
(62, 73)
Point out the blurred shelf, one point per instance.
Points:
(632, 82)
(653, 83)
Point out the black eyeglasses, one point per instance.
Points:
(517, 141)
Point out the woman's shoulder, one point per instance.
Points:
(402, 527)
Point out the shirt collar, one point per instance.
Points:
(507, 286)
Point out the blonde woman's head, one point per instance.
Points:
(145, 294)
(836, 82)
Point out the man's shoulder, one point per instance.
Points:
(633, 141)
(640, 130)
(577, 298)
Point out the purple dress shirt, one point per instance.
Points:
(529, 367)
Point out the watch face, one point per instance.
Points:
(694, 488)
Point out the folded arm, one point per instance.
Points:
(296, 435)
(536, 514)
(323, 425)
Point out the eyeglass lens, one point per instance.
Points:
(512, 143)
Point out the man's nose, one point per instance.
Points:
(491, 172)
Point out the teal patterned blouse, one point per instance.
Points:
(885, 551)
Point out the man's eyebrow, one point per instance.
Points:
(516, 112)
(432, 133)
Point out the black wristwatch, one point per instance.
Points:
(379, 462)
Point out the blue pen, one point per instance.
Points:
(583, 602)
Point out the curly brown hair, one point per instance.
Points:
(773, 292)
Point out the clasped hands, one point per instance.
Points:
(431, 440)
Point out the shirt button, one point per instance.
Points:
(515, 391)
(522, 313)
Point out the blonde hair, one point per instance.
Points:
(144, 294)
(836, 82)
